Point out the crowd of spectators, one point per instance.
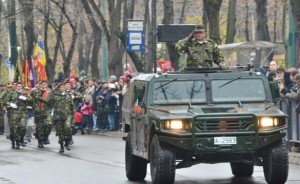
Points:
(99, 107)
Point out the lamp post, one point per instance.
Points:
(153, 19)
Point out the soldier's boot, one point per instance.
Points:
(13, 144)
(82, 131)
(23, 143)
(17, 144)
(67, 144)
(46, 140)
(71, 142)
(61, 148)
(40, 143)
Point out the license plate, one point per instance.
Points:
(224, 140)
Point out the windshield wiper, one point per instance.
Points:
(161, 86)
(230, 81)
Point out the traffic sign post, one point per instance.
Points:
(135, 36)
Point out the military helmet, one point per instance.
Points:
(199, 28)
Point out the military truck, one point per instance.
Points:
(180, 119)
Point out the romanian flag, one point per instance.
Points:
(40, 60)
(28, 73)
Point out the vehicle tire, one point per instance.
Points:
(276, 164)
(162, 163)
(136, 167)
(242, 169)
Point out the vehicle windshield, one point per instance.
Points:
(228, 90)
(179, 92)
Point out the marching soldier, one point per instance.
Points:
(17, 122)
(77, 97)
(63, 106)
(42, 114)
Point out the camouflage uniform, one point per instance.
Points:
(76, 97)
(63, 106)
(200, 54)
(42, 118)
(8, 113)
(17, 118)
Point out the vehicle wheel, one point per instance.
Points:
(162, 163)
(276, 164)
(136, 167)
(242, 169)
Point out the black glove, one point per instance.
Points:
(191, 36)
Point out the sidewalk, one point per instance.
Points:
(294, 157)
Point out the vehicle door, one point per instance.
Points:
(138, 114)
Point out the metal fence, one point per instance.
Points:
(293, 132)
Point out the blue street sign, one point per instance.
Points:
(7, 63)
(135, 41)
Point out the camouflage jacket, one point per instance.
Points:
(200, 54)
(62, 105)
(13, 97)
(40, 107)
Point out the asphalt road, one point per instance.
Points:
(98, 159)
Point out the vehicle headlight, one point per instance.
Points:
(176, 125)
(268, 122)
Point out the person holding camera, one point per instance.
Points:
(201, 52)
(111, 102)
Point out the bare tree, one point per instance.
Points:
(231, 19)
(27, 7)
(296, 17)
(262, 29)
(97, 34)
(73, 23)
(168, 19)
(213, 11)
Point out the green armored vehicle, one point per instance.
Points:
(177, 120)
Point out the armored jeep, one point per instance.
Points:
(177, 120)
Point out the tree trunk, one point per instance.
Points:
(231, 19)
(168, 19)
(149, 33)
(114, 49)
(247, 22)
(213, 10)
(51, 63)
(262, 30)
(67, 62)
(295, 4)
(182, 13)
(81, 45)
(97, 34)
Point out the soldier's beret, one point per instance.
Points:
(59, 84)
(199, 28)
(67, 81)
(41, 81)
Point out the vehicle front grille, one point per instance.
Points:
(238, 124)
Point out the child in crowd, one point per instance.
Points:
(78, 121)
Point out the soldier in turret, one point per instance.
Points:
(201, 52)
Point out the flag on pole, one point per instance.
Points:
(18, 73)
(31, 73)
(40, 59)
(26, 74)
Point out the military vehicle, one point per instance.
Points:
(180, 119)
